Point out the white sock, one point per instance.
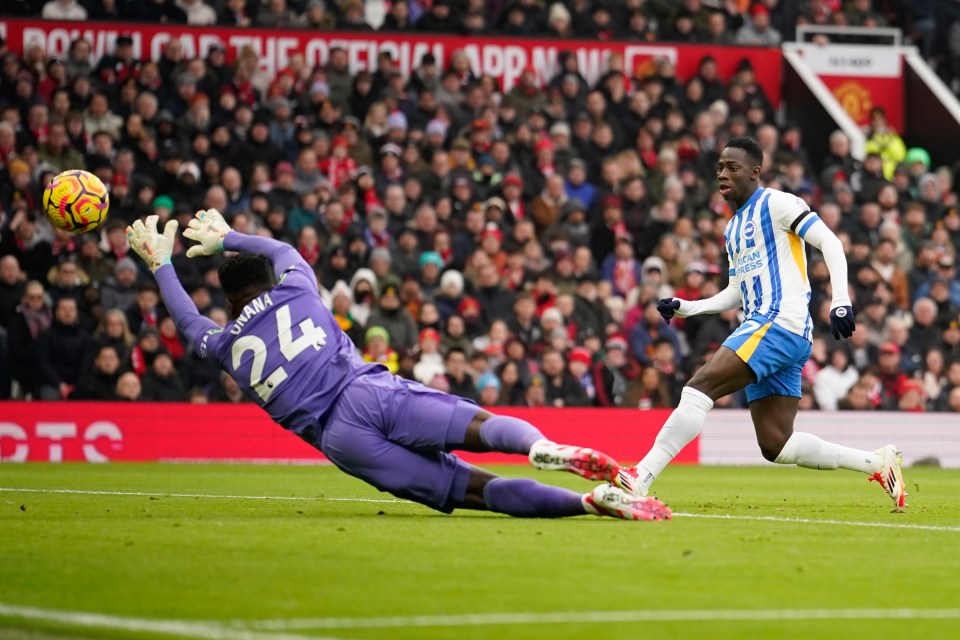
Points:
(683, 425)
(809, 451)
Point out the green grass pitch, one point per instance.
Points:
(326, 562)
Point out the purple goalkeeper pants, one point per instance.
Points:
(395, 435)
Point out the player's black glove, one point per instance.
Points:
(667, 307)
(841, 322)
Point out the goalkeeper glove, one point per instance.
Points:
(841, 321)
(209, 229)
(153, 247)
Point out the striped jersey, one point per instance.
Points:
(768, 256)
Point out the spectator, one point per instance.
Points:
(198, 12)
(884, 264)
(953, 400)
(559, 22)
(156, 11)
(120, 290)
(912, 398)
(488, 389)
(378, 349)
(161, 383)
(944, 273)
(494, 300)
(392, 316)
(438, 19)
(398, 18)
(924, 334)
(455, 336)
(621, 269)
(612, 374)
(579, 365)
(460, 381)
(934, 379)
(535, 394)
(647, 391)
(429, 359)
(837, 160)
(562, 390)
(833, 382)
(884, 141)
(58, 152)
(757, 31)
(31, 320)
(891, 376)
(114, 331)
(629, 150)
(647, 331)
(12, 281)
(98, 117)
(62, 352)
(857, 399)
(63, 10)
(101, 382)
(352, 17)
(511, 386)
(128, 387)
(144, 312)
(28, 240)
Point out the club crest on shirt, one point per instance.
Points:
(749, 230)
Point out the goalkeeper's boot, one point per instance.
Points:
(589, 463)
(608, 500)
(630, 480)
(890, 476)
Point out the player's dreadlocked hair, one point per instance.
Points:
(245, 273)
(750, 147)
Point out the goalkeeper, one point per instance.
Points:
(287, 353)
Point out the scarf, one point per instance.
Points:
(310, 254)
(624, 275)
(37, 321)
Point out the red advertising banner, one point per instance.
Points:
(142, 432)
(502, 58)
(861, 78)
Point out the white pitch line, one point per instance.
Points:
(180, 628)
(91, 492)
(848, 523)
(716, 516)
(576, 617)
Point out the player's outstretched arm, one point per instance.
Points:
(812, 230)
(214, 236)
(729, 298)
(155, 249)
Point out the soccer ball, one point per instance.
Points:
(76, 201)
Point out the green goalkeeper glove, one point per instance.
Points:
(209, 229)
(153, 247)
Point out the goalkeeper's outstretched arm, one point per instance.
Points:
(184, 313)
(155, 249)
(281, 255)
(214, 235)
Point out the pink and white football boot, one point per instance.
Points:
(890, 476)
(608, 500)
(583, 461)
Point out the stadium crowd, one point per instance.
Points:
(509, 248)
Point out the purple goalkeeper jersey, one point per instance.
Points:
(285, 350)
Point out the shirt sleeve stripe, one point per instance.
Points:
(732, 272)
(798, 219)
(806, 225)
